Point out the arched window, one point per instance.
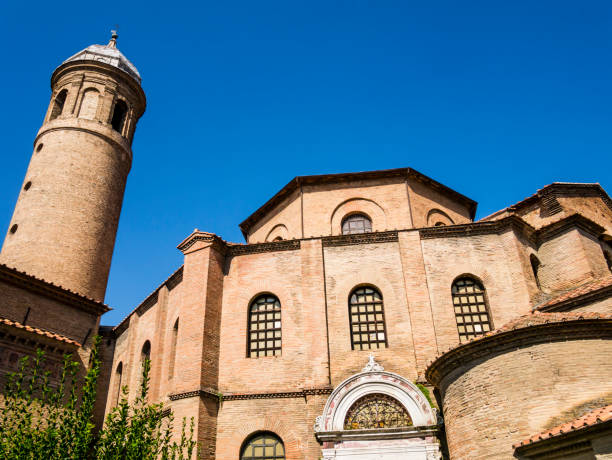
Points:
(535, 267)
(367, 318)
(376, 410)
(263, 446)
(145, 352)
(118, 378)
(264, 327)
(89, 104)
(119, 115)
(471, 309)
(356, 223)
(58, 104)
(173, 349)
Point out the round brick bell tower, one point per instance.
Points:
(65, 221)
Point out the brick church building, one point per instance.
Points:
(354, 297)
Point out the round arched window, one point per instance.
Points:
(376, 411)
(263, 446)
(356, 223)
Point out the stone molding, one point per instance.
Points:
(212, 394)
(480, 228)
(360, 238)
(272, 246)
(502, 342)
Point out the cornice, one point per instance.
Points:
(213, 394)
(572, 221)
(273, 246)
(500, 342)
(359, 238)
(206, 237)
(51, 291)
(480, 228)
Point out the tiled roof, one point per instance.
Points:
(603, 414)
(535, 196)
(48, 286)
(41, 332)
(576, 293)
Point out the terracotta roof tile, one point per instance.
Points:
(603, 414)
(526, 200)
(41, 332)
(577, 292)
(54, 286)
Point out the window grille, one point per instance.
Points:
(264, 327)
(264, 446)
(376, 411)
(471, 309)
(356, 223)
(367, 319)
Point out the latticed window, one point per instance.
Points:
(265, 327)
(356, 223)
(470, 308)
(376, 411)
(265, 446)
(367, 319)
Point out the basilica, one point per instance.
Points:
(367, 315)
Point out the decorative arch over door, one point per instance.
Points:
(382, 415)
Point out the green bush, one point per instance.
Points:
(54, 422)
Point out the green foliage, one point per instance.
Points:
(54, 422)
(425, 392)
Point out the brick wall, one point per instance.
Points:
(494, 403)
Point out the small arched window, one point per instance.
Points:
(58, 104)
(263, 446)
(118, 381)
(173, 349)
(376, 410)
(471, 309)
(367, 319)
(146, 351)
(608, 258)
(119, 116)
(535, 267)
(356, 223)
(264, 327)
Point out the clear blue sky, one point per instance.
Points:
(493, 99)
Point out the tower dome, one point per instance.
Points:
(109, 54)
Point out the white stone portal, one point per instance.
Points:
(416, 442)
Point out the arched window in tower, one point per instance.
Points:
(356, 223)
(608, 257)
(58, 104)
(146, 352)
(118, 382)
(119, 116)
(367, 319)
(89, 104)
(264, 327)
(173, 350)
(535, 267)
(471, 311)
(263, 446)
(376, 410)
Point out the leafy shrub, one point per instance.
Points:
(54, 421)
